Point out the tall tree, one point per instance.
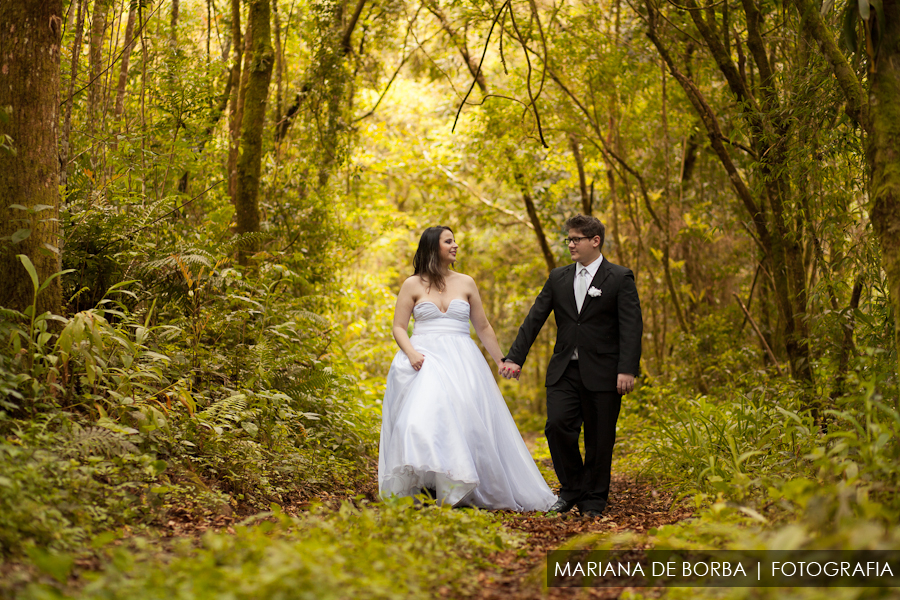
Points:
(883, 152)
(879, 117)
(768, 127)
(260, 62)
(123, 66)
(70, 93)
(30, 34)
(235, 101)
(95, 86)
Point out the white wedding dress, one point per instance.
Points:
(447, 427)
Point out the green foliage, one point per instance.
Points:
(392, 551)
(235, 400)
(756, 453)
(61, 484)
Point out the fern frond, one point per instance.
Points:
(311, 317)
(94, 441)
(7, 314)
(231, 409)
(302, 383)
(192, 257)
(251, 238)
(247, 448)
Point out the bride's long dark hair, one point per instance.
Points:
(427, 261)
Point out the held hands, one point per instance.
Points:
(415, 359)
(625, 383)
(509, 369)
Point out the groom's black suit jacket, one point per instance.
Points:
(607, 332)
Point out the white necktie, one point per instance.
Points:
(581, 287)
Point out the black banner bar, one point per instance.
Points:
(723, 568)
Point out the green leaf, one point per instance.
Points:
(123, 283)
(52, 277)
(21, 234)
(849, 28)
(879, 12)
(104, 538)
(18, 207)
(863, 9)
(753, 514)
(29, 266)
(57, 566)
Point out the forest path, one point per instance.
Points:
(635, 505)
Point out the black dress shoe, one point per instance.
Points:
(592, 514)
(561, 506)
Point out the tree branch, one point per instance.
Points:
(857, 107)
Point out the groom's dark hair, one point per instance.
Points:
(588, 226)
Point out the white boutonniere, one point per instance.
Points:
(594, 292)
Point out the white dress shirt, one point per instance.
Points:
(591, 272)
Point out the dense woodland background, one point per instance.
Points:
(208, 208)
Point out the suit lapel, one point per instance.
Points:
(600, 276)
(568, 281)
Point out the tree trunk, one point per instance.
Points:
(332, 81)
(174, 24)
(847, 346)
(582, 181)
(880, 120)
(95, 88)
(123, 69)
(260, 61)
(30, 35)
(279, 64)
(883, 153)
(236, 112)
(765, 121)
(70, 100)
(538, 229)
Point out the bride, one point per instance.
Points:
(445, 427)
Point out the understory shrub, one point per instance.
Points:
(389, 551)
(235, 400)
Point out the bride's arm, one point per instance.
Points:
(402, 312)
(482, 326)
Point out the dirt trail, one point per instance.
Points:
(634, 506)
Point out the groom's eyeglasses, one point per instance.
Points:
(574, 240)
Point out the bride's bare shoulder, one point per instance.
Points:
(413, 284)
(460, 277)
(464, 279)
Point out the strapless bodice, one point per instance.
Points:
(430, 319)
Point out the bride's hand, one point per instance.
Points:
(510, 370)
(416, 359)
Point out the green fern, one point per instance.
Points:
(94, 441)
(303, 382)
(192, 257)
(228, 410)
(252, 238)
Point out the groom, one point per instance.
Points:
(594, 362)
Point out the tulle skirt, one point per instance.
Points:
(447, 427)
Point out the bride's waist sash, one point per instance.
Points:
(441, 326)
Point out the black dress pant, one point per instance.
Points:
(569, 405)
